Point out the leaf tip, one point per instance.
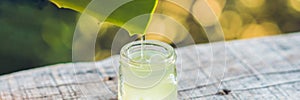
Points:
(56, 3)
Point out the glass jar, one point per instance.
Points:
(147, 71)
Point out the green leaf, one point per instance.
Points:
(120, 16)
(77, 5)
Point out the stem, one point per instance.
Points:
(142, 46)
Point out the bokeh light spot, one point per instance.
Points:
(253, 3)
(231, 23)
(258, 30)
(295, 4)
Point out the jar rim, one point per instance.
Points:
(170, 56)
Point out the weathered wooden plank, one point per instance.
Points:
(261, 68)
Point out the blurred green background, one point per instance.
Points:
(36, 33)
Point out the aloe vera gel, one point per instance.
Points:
(147, 71)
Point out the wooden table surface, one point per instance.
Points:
(260, 68)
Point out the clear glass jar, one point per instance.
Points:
(147, 71)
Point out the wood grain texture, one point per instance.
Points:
(261, 68)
